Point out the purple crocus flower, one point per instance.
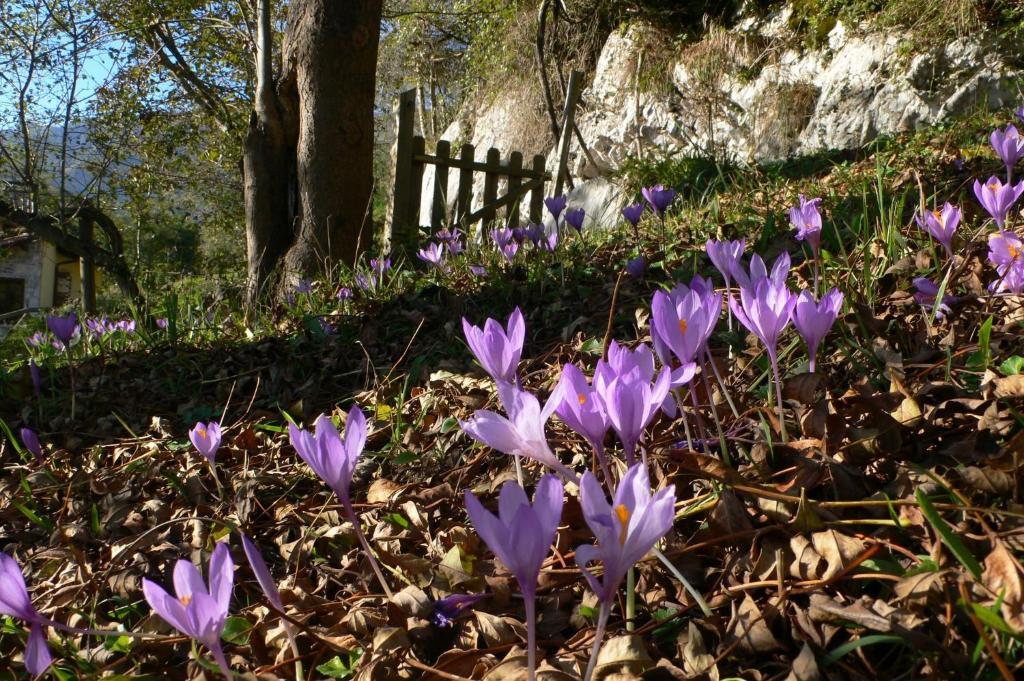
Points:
(126, 326)
(365, 282)
(534, 232)
(304, 286)
(765, 311)
(380, 265)
(498, 349)
(626, 530)
(807, 221)
(659, 198)
(344, 293)
(97, 327)
(521, 536)
(684, 319)
(15, 602)
(1009, 146)
(926, 294)
(550, 242)
(161, 323)
(509, 250)
(36, 340)
(631, 402)
(455, 247)
(522, 432)
(478, 270)
(1005, 251)
(997, 198)
(448, 609)
(581, 408)
(500, 237)
(635, 267)
(197, 611)
(941, 225)
(555, 205)
(206, 438)
(331, 457)
(574, 218)
(334, 459)
(633, 213)
(447, 236)
(758, 271)
(432, 254)
(726, 256)
(37, 377)
(63, 327)
(269, 586)
(813, 320)
(519, 234)
(31, 441)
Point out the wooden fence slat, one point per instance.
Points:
(401, 228)
(537, 195)
(464, 197)
(493, 163)
(477, 166)
(572, 95)
(439, 205)
(505, 200)
(416, 188)
(515, 164)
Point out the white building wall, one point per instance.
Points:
(26, 262)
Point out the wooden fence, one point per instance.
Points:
(411, 160)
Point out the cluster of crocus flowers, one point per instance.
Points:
(196, 610)
(100, 327)
(333, 459)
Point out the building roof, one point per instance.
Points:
(14, 235)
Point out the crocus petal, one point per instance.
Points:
(259, 569)
(493, 430)
(165, 605)
(14, 599)
(37, 652)
(222, 575)
(187, 580)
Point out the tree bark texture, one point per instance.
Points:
(308, 155)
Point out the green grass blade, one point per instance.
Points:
(947, 535)
(850, 646)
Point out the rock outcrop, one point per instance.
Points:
(748, 94)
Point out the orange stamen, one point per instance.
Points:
(186, 599)
(582, 398)
(623, 514)
(682, 326)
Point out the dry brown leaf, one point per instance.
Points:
(622, 654)
(837, 549)
(749, 626)
(1002, 577)
(1009, 386)
(805, 666)
(382, 491)
(494, 630)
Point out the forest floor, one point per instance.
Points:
(884, 540)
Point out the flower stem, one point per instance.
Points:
(530, 600)
(703, 604)
(723, 445)
(366, 547)
(519, 469)
(721, 383)
(602, 622)
(778, 396)
(222, 662)
(630, 599)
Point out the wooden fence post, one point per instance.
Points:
(492, 170)
(401, 225)
(515, 179)
(537, 195)
(439, 204)
(572, 95)
(419, 147)
(464, 197)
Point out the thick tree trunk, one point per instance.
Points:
(332, 48)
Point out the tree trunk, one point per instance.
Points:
(332, 48)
